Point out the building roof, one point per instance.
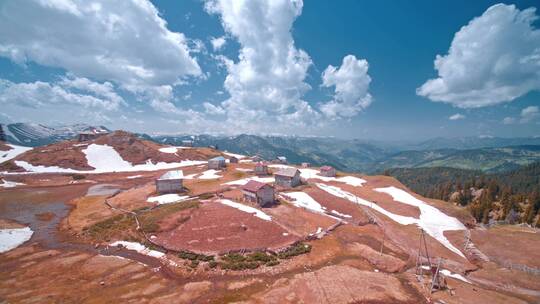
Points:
(253, 186)
(288, 172)
(175, 174)
(325, 168)
(219, 158)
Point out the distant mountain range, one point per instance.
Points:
(488, 154)
(33, 135)
(485, 154)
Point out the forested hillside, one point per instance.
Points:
(512, 196)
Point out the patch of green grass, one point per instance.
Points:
(111, 227)
(297, 249)
(188, 255)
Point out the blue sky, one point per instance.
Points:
(353, 69)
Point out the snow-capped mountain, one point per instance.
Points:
(32, 135)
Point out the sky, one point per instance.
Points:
(385, 70)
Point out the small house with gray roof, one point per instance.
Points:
(288, 177)
(216, 163)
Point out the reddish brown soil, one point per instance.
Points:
(216, 228)
(503, 244)
(4, 147)
(299, 221)
(331, 202)
(68, 154)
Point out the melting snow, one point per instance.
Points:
(8, 184)
(105, 159)
(244, 169)
(239, 156)
(134, 176)
(246, 160)
(303, 200)
(341, 214)
(139, 248)
(454, 275)
(14, 237)
(256, 212)
(14, 152)
(210, 174)
(169, 150)
(433, 221)
(312, 173)
(167, 198)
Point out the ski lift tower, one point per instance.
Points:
(425, 266)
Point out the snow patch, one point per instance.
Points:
(303, 200)
(244, 169)
(239, 156)
(256, 212)
(315, 174)
(246, 161)
(457, 276)
(167, 198)
(140, 248)
(341, 214)
(105, 159)
(210, 174)
(14, 237)
(169, 150)
(433, 221)
(134, 176)
(13, 152)
(9, 184)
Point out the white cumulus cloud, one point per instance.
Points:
(218, 42)
(266, 83)
(529, 114)
(457, 116)
(493, 59)
(126, 42)
(351, 82)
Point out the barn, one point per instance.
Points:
(257, 192)
(216, 163)
(170, 182)
(288, 177)
(328, 171)
(261, 168)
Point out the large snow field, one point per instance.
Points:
(304, 200)
(167, 198)
(241, 182)
(256, 212)
(8, 184)
(14, 152)
(105, 159)
(431, 220)
(314, 174)
(14, 237)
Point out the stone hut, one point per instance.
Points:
(328, 171)
(217, 163)
(233, 160)
(170, 182)
(288, 177)
(260, 193)
(261, 168)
